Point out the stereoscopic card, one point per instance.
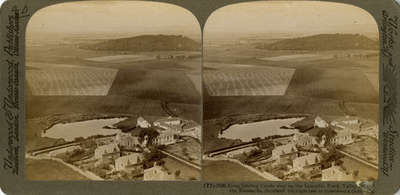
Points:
(200, 97)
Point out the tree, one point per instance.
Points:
(177, 173)
(153, 156)
(264, 144)
(79, 139)
(151, 134)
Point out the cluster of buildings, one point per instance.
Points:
(356, 55)
(169, 127)
(301, 156)
(124, 153)
(177, 56)
(357, 126)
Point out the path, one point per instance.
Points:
(358, 159)
(180, 159)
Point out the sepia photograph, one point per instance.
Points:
(113, 92)
(290, 92)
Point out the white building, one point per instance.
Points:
(158, 173)
(126, 140)
(319, 122)
(371, 130)
(303, 139)
(123, 162)
(192, 131)
(288, 151)
(169, 123)
(336, 173)
(165, 138)
(142, 123)
(342, 137)
(100, 151)
(351, 120)
(308, 162)
(347, 122)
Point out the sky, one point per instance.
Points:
(114, 16)
(138, 17)
(304, 17)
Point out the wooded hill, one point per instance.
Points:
(147, 43)
(323, 42)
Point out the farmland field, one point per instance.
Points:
(374, 79)
(227, 171)
(106, 89)
(70, 80)
(298, 57)
(318, 86)
(163, 84)
(186, 172)
(364, 172)
(366, 149)
(239, 82)
(334, 84)
(121, 58)
(50, 170)
(216, 107)
(196, 80)
(189, 149)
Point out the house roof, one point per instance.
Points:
(129, 157)
(141, 119)
(347, 118)
(338, 169)
(319, 132)
(309, 159)
(165, 133)
(190, 124)
(167, 119)
(108, 146)
(318, 118)
(302, 135)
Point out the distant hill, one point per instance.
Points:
(147, 43)
(324, 42)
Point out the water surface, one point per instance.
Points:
(246, 132)
(70, 131)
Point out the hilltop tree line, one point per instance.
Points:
(323, 42)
